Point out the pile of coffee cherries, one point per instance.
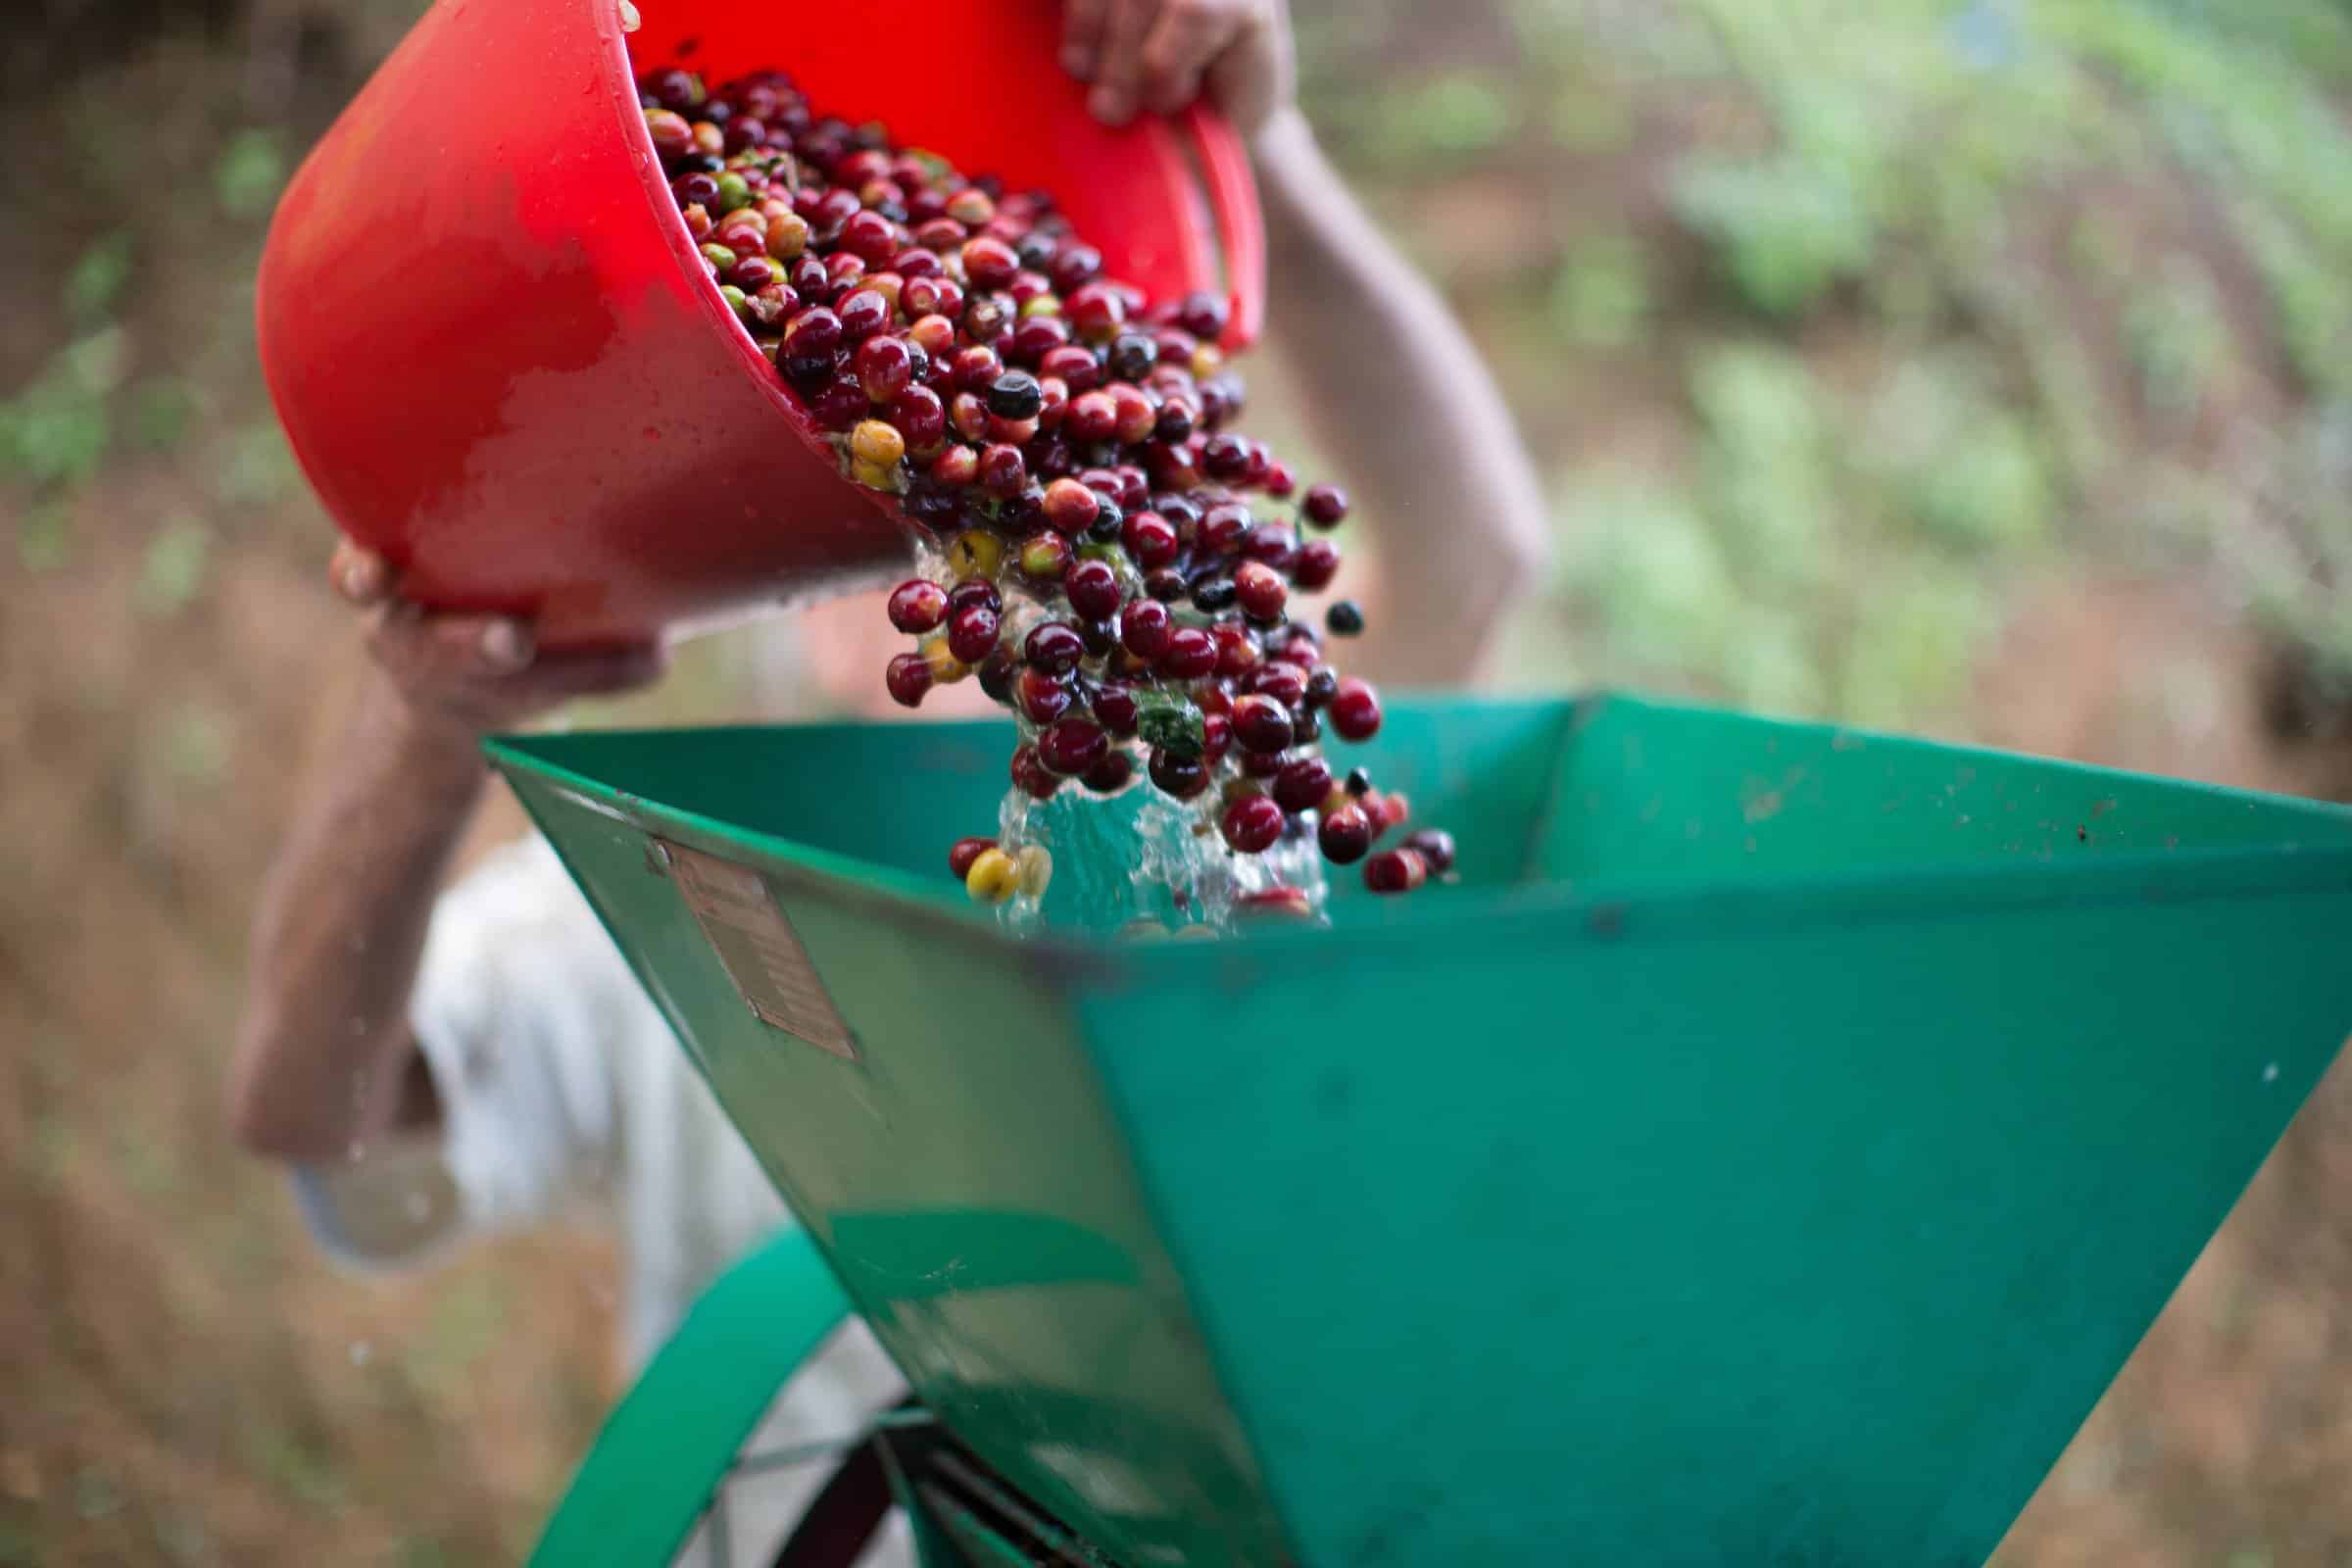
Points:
(1107, 554)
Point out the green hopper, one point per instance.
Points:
(1765, 1152)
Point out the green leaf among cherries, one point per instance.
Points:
(1170, 720)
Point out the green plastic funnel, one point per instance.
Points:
(1766, 1154)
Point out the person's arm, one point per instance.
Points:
(324, 1060)
(1394, 394)
(1398, 401)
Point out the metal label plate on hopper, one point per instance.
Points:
(758, 948)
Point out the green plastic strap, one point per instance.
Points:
(667, 1445)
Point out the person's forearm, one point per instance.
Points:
(323, 1051)
(1396, 398)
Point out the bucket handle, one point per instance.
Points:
(1241, 225)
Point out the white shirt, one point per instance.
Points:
(563, 1091)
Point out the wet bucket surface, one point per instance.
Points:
(496, 355)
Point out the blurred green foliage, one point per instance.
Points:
(132, 376)
(251, 167)
(1601, 294)
(91, 287)
(1454, 113)
(298, 1466)
(172, 571)
(54, 433)
(1952, 290)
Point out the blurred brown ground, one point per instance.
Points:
(182, 1381)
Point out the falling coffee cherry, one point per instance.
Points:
(917, 606)
(1345, 835)
(1435, 847)
(1113, 556)
(1252, 823)
(964, 853)
(1395, 871)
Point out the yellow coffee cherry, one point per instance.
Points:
(787, 236)
(1207, 360)
(994, 876)
(873, 475)
(945, 669)
(1036, 870)
(879, 442)
(975, 554)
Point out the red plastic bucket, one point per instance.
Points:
(497, 356)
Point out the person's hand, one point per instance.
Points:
(1159, 55)
(468, 675)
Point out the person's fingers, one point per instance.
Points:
(1249, 77)
(360, 576)
(595, 672)
(1185, 37)
(1083, 24)
(442, 650)
(505, 645)
(1114, 98)
(486, 670)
